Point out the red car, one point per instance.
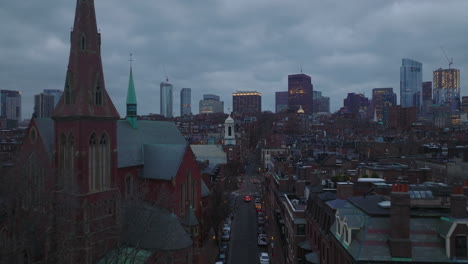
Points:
(247, 198)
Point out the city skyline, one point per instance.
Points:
(359, 51)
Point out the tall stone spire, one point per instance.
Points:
(131, 102)
(85, 94)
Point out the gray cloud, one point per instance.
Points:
(220, 46)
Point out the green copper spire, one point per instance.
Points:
(131, 102)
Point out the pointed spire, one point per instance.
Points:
(131, 100)
(85, 94)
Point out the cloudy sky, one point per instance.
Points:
(220, 46)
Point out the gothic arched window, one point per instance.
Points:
(98, 95)
(92, 163)
(83, 42)
(229, 130)
(128, 185)
(104, 160)
(68, 90)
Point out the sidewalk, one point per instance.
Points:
(276, 246)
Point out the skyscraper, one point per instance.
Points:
(383, 98)
(321, 103)
(211, 104)
(410, 83)
(281, 101)
(247, 102)
(427, 91)
(447, 87)
(185, 101)
(10, 106)
(45, 102)
(166, 99)
(300, 90)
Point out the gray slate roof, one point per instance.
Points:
(45, 127)
(191, 219)
(204, 189)
(153, 228)
(130, 141)
(162, 161)
(370, 240)
(214, 153)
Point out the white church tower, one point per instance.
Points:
(229, 134)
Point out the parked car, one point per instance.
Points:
(222, 257)
(260, 213)
(226, 236)
(227, 229)
(264, 258)
(262, 240)
(261, 230)
(224, 247)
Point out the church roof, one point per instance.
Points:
(131, 95)
(130, 141)
(153, 228)
(162, 161)
(213, 153)
(45, 127)
(229, 120)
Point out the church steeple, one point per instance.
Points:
(85, 94)
(131, 102)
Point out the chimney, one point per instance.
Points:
(458, 202)
(399, 240)
(344, 190)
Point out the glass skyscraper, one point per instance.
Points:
(185, 101)
(410, 83)
(166, 99)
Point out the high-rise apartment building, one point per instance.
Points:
(447, 87)
(211, 104)
(247, 102)
(427, 91)
(321, 103)
(185, 101)
(300, 90)
(166, 99)
(10, 106)
(383, 98)
(45, 102)
(281, 101)
(410, 83)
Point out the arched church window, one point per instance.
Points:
(83, 42)
(98, 95)
(230, 131)
(104, 155)
(128, 185)
(92, 156)
(68, 90)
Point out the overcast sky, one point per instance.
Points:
(220, 46)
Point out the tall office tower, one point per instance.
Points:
(247, 102)
(358, 105)
(410, 83)
(56, 93)
(166, 99)
(45, 102)
(211, 104)
(43, 105)
(321, 103)
(464, 104)
(300, 90)
(427, 91)
(10, 106)
(447, 87)
(185, 101)
(383, 98)
(281, 101)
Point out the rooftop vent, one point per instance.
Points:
(384, 204)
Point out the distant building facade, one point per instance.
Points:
(211, 104)
(383, 98)
(300, 93)
(185, 101)
(410, 83)
(166, 99)
(45, 102)
(321, 104)
(447, 87)
(247, 102)
(464, 104)
(402, 117)
(10, 107)
(357, 104)
(426, 98)
(281, 101)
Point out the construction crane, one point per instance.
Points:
(450, 61)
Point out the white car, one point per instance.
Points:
(264, 258)
(225, 237)
(262, 240)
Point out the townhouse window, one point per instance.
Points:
(300, 230)
(460, 246)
